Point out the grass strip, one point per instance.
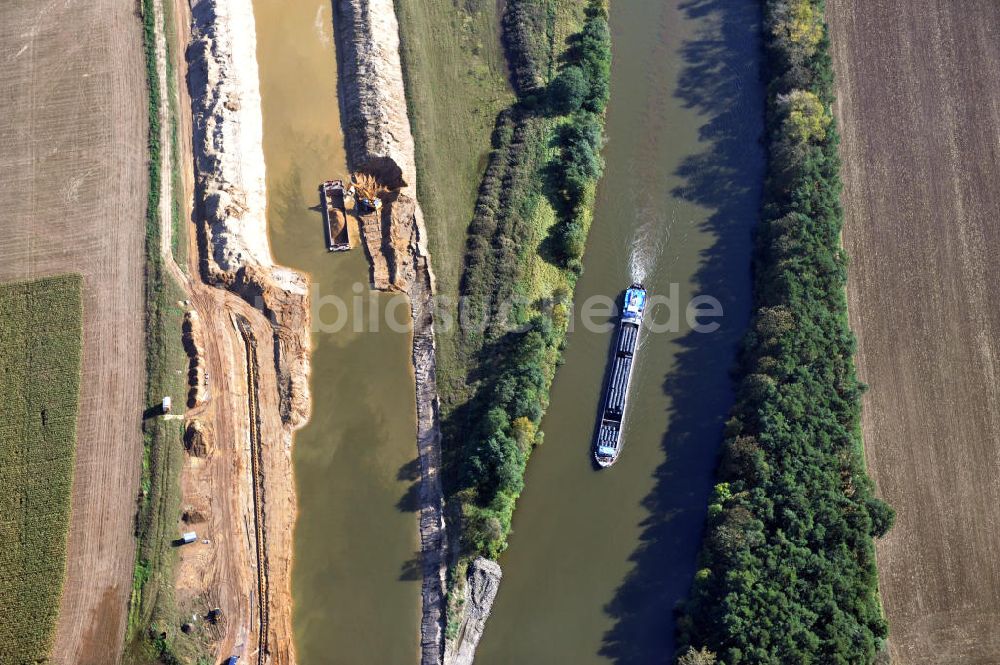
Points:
(153, 624)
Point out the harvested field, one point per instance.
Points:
(73, 168)
(39, 389)
(919, 107)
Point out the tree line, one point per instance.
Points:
(546, 150)
(787, 566)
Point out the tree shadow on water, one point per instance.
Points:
(409, 471)
(412, 569)
(720, 80)
(410, 501)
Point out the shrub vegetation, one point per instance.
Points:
(40, 340)
(788, 562)
(533, 205)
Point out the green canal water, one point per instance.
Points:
(355, 582)
(598, 560)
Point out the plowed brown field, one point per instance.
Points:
(919, 107)
(72, 199)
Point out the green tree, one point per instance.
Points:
(568, 90)
(581, 142)
(595, 59)
(574, 241)
(806, 117)
(788, 546)
(883, 516)
(524, 430)
(797, 26)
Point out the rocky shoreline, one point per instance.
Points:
(379, 142)
(482, 581)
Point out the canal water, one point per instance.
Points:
(599, 560)
(355, 581)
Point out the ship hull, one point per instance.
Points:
(609, 437)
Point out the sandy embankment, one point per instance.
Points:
(234, 255)
(232, 204)
(379, 141)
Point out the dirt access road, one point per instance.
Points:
(919, 107)
(73, 196)
(219, 485)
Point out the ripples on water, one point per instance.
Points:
(646, 245)
(675, 207)
(322, 25)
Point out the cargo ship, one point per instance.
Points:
(608, 442)
(335, 216)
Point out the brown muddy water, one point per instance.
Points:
(355, 581)
(598, 560)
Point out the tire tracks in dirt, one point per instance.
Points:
(918, 101)
(73, 167)
(257, 474)
(247, 570)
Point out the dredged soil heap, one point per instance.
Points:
(379, 142)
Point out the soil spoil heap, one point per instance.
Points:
(379, 143)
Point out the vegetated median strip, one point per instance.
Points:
(788, 560)
(178, 244)
(159, 497)
(524, 246)
(451, 111)
(41, 333)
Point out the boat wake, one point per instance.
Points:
(645, 247)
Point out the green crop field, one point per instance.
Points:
(40, 338)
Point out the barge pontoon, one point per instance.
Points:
(335, 216)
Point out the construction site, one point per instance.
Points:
(223, 477)
(246, 335)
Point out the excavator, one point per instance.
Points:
(365, 191)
